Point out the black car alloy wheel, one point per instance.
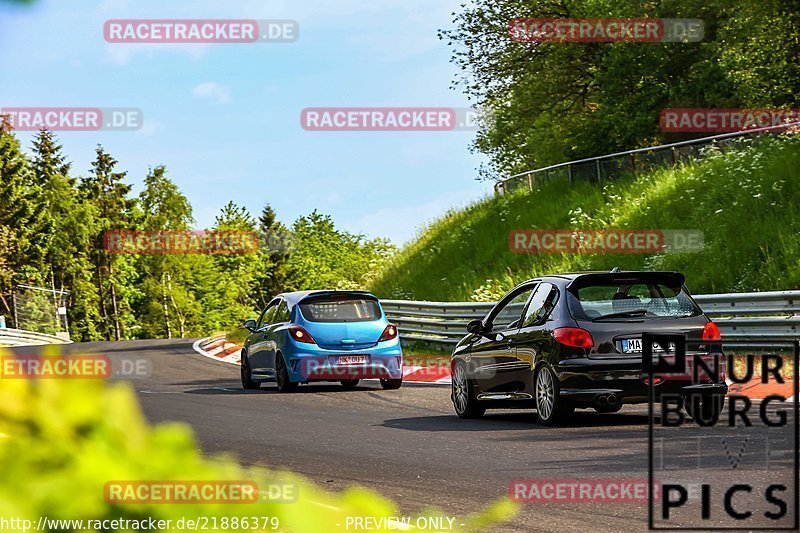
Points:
(463, 394)
(549, 405)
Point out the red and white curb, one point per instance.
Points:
(219, 349)
(427, 374)
(756, 390)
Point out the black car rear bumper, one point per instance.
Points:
(621, 380)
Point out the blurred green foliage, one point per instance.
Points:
(62, 440)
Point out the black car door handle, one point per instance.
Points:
(510, 342)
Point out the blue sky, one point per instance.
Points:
(224, 118)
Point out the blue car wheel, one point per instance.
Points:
(349, 384)
(247, 379)
(391, 384)
(282, 374)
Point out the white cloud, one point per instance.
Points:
(332, 198)
(150, 128)
(212, 90)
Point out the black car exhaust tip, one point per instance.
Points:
(607, 399)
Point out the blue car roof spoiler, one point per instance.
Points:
(294, 298)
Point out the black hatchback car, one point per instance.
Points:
(562, 342)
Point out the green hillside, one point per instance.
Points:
(747, 203)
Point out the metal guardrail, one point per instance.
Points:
(611, 166)
(20, 337)
(755, 315)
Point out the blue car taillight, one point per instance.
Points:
(299, 334)
(389, 333)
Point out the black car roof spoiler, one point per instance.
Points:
(672, 279)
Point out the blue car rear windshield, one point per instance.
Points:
(640, 300)
(340, 309)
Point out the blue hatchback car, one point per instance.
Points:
(322, 336)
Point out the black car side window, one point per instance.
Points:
(508, 314)
(541, 304)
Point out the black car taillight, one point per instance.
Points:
(573, 337)
(711, 332)
(389, 333)
(301, 335)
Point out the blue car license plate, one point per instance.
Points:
(351, 359)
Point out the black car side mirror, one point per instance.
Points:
(250, 325)
(475, 326)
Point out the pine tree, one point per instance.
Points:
(66, 231)
(16, 217)
(275, 243)
(238, 271)
(106, 191)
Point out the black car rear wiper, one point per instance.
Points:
(623, 314)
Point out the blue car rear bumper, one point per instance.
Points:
(309, 362)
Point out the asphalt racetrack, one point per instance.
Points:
(408, 444)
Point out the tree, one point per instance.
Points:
(66, 235)
(20, 211)
(551, 102)
(323, 257)
(107, 192)
(226, 289)
(275, 245)
(165, 293)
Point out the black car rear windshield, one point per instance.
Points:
(340, 308)
(635, 299)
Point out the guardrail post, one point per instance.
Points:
(569, 174)
(14, 304)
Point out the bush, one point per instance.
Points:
(62, 440)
